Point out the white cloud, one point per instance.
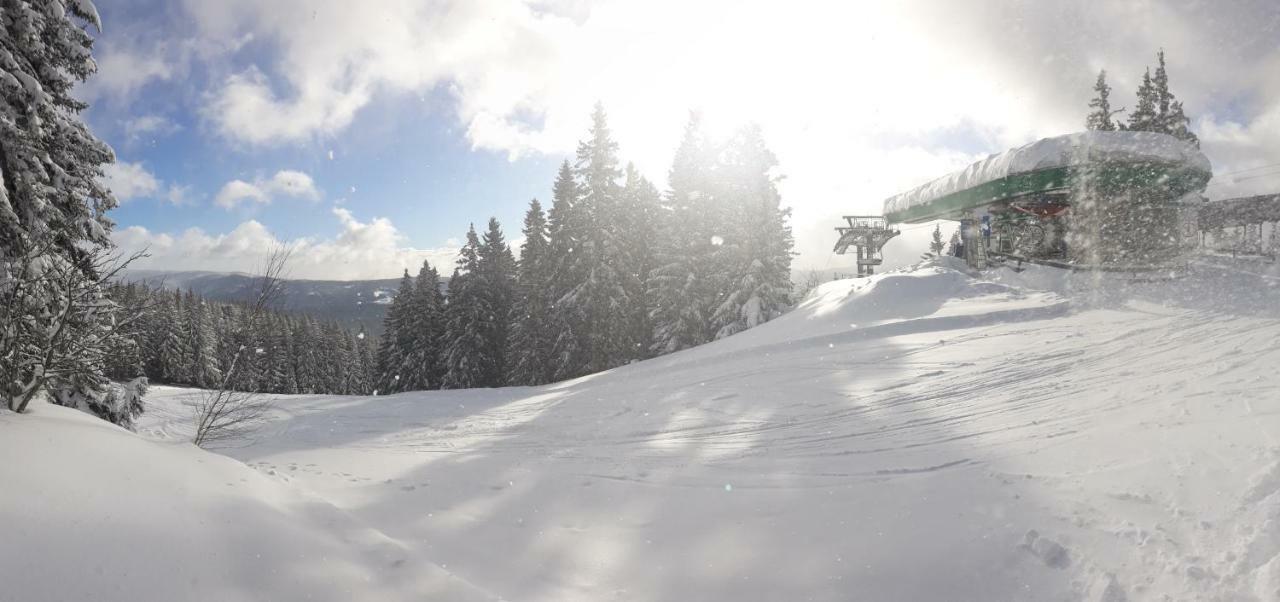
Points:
(129, 181)
(179, 195)
(142, 126)
(1246, 155)
(361, 250)
(262, 191)
(122, 73)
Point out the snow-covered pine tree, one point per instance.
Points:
(1178, 124)
(497, 275)
(391, 350)
(565, 226)
(175, 366)
(1145, 117)
(1100, 117)
(680, 292)
(285, 378)
(424, 324)
(466, 320)
(251, 373)
(363, 384)
(336, 357)
(1160, 85)
(124, 357)
(639, 220)
(204, 370)
(757, 256)
(52, 205)
(597, 307)
(936, 245)
(353, 376)
(531, 346)
(1170, 118)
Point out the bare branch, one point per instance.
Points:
(223, 413)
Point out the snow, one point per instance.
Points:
(1060, 151)
(93, 512)
(918, 435)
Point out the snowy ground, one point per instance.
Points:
(918, 436)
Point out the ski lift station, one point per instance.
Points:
(1090, 200)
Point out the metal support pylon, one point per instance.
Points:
(867, 234)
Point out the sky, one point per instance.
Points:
(369, 135)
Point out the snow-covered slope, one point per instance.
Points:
(91, 512)
(921, 435)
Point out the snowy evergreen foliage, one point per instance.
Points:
(530, 349)
(1158, 109)
(1100, 117)
(467, 362)
(755, 255)
(421, 332)
(639, 221)
(613, 273)
(1144, 117)
(564, 230)
(497, 278)
(595, 306)
(724, 254)
(396, 338)
(936, 245)
(56, 324)
(680, 281)
(184, 339)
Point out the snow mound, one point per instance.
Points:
(937, 294)
(93, 512)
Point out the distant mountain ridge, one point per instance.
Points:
(359, 304)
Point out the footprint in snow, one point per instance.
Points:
(1052, 553)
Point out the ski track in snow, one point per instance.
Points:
(980, 441)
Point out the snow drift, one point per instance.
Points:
(93, 512)
(918, 435)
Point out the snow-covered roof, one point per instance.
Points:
(1060, 151)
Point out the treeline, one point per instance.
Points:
(614, 272)
(182, 338)
(1156, 110)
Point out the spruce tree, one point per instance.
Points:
(936, 245)
(174, 357)
(639, 221)
(680, 282)
(336, 358)
(529, 356)
(565, 227)
(757, 255)
(284, 375)
(1178, 124)
(424, 320)
(597, 306)
(466, 321)
(53, 206)
(497, 280)
(124, 358)
(395, 337)
(1100, 118)
(1145, 117)
(362, 376)
(1170, 118)
(204, 370)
